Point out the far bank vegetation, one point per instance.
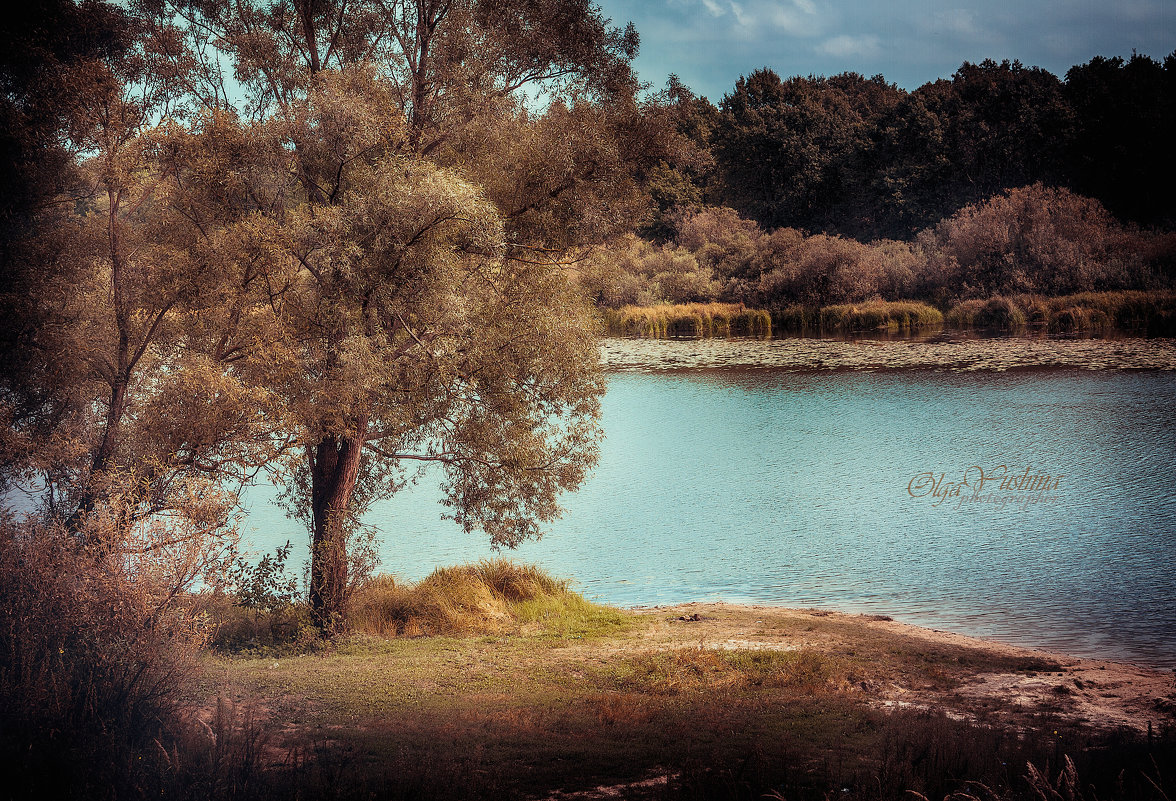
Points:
(1036, 256)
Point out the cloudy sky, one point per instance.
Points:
(710, 43)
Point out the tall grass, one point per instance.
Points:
(997, 313)
(1152, 313)
(874, 315)
(891, 315)
(688, 320)
(491, 597)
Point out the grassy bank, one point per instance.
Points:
(687, 320)
(689, 702)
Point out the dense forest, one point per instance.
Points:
(1003, 180)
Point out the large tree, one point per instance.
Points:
(433, 166)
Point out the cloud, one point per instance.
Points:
(846, 46)
(710, 43)
(793, 17)
(740, 15)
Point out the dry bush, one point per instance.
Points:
(721, 240)
(1035, 239)
(94, 654)
(98, 640)
(633, 272)
(825, 270)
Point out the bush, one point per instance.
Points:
(94, 657)
(260, 609)
(1036, 239)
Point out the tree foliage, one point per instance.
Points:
(356, 269)
(862, 158)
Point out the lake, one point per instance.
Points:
(978, 489)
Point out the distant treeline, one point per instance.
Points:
(860, 157)
(1034, 240)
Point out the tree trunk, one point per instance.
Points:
(334, 471)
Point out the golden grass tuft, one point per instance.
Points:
(874, 315)
(494, 596)
(688, 320)
(996, 313)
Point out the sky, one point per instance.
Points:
(710, 43)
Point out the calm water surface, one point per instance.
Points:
(791, 487)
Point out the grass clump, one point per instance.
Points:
(688, 320)
(494, 596)
(898, 315)
(997, 314)
(1152, 313)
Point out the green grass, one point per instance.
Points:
(506, 715)
(687, 320)
(700, 669)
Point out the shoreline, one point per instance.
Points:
(634, 703)
(1101, 692)
(1165, 667)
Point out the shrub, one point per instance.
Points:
(94, 656)
(1035, 239)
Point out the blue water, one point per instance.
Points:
(792, 488)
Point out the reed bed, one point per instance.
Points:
(874, 315)
(998, 314)
(688, 320)
(1152, 313)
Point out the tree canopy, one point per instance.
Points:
(330, 241)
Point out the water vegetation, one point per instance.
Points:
(874, 315)
(1152, 313)
(687, 320)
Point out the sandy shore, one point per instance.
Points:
(991, 679)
